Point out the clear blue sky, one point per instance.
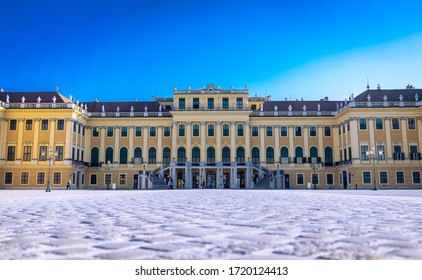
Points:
(126, 50)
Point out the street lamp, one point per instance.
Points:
(108, 166)
(314, 166)
(50, 159)
(372, 156)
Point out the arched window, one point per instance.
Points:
(137, 155)
(210, 155)
(240, 155)
(328, 153)
(284, 155)
(123, 155)
(152, 155)
(255, 155)
(196, 155)
(313, 152)
(166, 155)
(95, 152)
(226, 155)
(299, 155)
(181, 155)
(109, 155)
(270, 155)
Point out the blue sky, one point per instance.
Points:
(126, 50)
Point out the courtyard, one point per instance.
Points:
(211, 224)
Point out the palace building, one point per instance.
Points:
(214, 137)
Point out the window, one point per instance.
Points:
(240, 130)
(137, 155)
(416, 177)
(255, 155)
(328, 153)
(330, 179)
(313, 152)
(240, 155)
(74, 127)
(254, 131)
(181, 155)
(210, 130)
(44, 124)
(12, 125)
(123, 155)
(366, 177)
(94, 156)
(381, 152)
(226, 130)
(28, 125)
(123, 133)
(138, 131)
(362, 124)
(93, 179)
(400, 177)
(195, 130)
(225, 103)
(226, 155)
(122, 179)
(363, 150)
(411, 123)
(27, 153)
(167, 131)
(348, 126)
(299, 179)
(239, 103)
(41, 178)
(43, 153)
(344, 128)
(312, 131)
(269, 131)
(298, 131)
(299, 155)
(378, 123)
(270, 155)
(8, 178)
(79, 128)
(253, 107)
(109, 155)
(327, 131)
(95, 132)
(60, 124)
(73, 153)
(182, 103)
(398, 155)
(57, 178)
(166, 155)
(110, 131)
(59, 151)
(284, 155)
(414, 155)
(152, 155)
(195, 103)
(196, 155)
(339, 130)
(383, 177)
(11, 153)
(395, 123)
(210, 103)
(152, 131)
(181, 130)
(24, 178)
(107, 179)
(83, 131)
(283, 131)
(210, 155)
(315, 179)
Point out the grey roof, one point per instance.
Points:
(31, 97)
(377, 95)
(138, 106)
(298, 105)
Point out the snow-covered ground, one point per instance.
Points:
(211, 224)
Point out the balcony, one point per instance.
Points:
(399, 156)
(415, 156)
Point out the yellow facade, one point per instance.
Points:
(221, 137)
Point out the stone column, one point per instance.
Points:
(102, 144)
(388, 143)
(354, 138)
(35, 139)
(189, 140)
(174, 143)
(69, 140)
(248, 140)
(262, 145)
(145, 136)
(160, 145)
(233, 141)
(203, 139)
(116, 153)
(371, 132)
(404, 137)
(218, 150)
(336, 142)
(291, 141)
(130, 151)
(20, 135)
(76, 141)
(88, 133)
(277, 144)
(419, 127)
(320, 141)
(3, 134)
(306, 141)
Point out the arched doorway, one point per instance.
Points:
(211, 179)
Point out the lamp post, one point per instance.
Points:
(372, 156)
(50, 159)
(108, 166)
(314, 166)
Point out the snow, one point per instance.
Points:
(211, 224)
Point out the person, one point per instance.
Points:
(68, 185)
(170, 183)
(203, 184)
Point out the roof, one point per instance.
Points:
(377, 95)
(298, 105)
(32, 97)
(138, 106)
